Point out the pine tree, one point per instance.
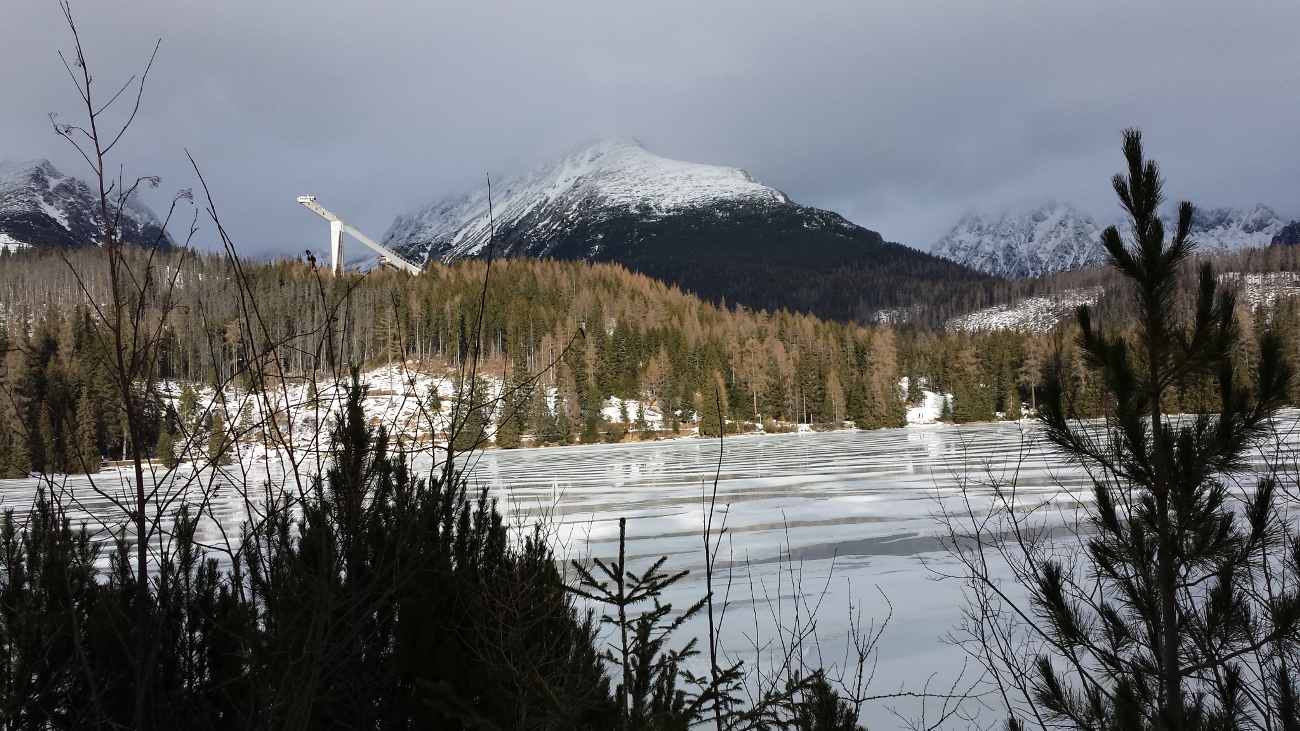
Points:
(1011, 404)
(833, 405)
(7, 468)
(88, 456)
(165, 450)
(189, 404)
(971, 401)
(590, 428)
(49, 441)
(1166, 624)
(219, 446)
(508, 432)
(563, 425)
(642, 424)
(471, 430)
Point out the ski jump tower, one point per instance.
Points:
(338, 227)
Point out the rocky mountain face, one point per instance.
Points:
(1288, 236)
(1057, 238)
(1052, 238)
(41, 207)
(708, 229)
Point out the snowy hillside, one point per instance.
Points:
(1057, 238)
(1035, 315)
(1040, 315)
(39, 206)
(610, 175)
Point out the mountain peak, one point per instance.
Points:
(1055, 237)
(602, 177)
(1024, 243)
(40, 206)
(708, 229)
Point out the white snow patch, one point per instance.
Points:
(612, 410)
(54, 212)
(930, 410)
(11, 244)
(1262, 290)
(1036, 315)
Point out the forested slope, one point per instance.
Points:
(582, 332)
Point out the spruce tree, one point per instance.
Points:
(508, 433)
(49, 441)
(219, 446)
(1011, 404)
(1167, 621)
(189, 404)
(590, 428)
(88, 458)
(165, 450)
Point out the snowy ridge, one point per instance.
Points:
(1057, 238)
(1219, 230)
(40, 205)
(1053, 238)
(614, 174)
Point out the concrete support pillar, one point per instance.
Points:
(336, 248)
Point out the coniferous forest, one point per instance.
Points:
(584, 332)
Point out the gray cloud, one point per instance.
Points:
(900, 114)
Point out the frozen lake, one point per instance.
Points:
(824, 516)
(814, 522)
(828, 517)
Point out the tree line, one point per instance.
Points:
(575, 334)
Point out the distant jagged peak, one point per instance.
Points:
(1288, 236)
(37, 176)
(42, 206)
(1055, 237)
(1217, 230)
(17, 175)
(1026, 241)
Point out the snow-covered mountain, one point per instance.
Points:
(1217, 230)
(600, 181)
(1052, 238)
(1057, 238)
(711, 230)
(39, 206)
(1288, 236)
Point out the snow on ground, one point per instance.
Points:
(628, 410)
(400, 399)
(11, 244)
(1036, 315)
(930, 410)
(1262, 290)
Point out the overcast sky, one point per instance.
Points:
(901, 115)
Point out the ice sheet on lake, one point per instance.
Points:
(853, 509)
